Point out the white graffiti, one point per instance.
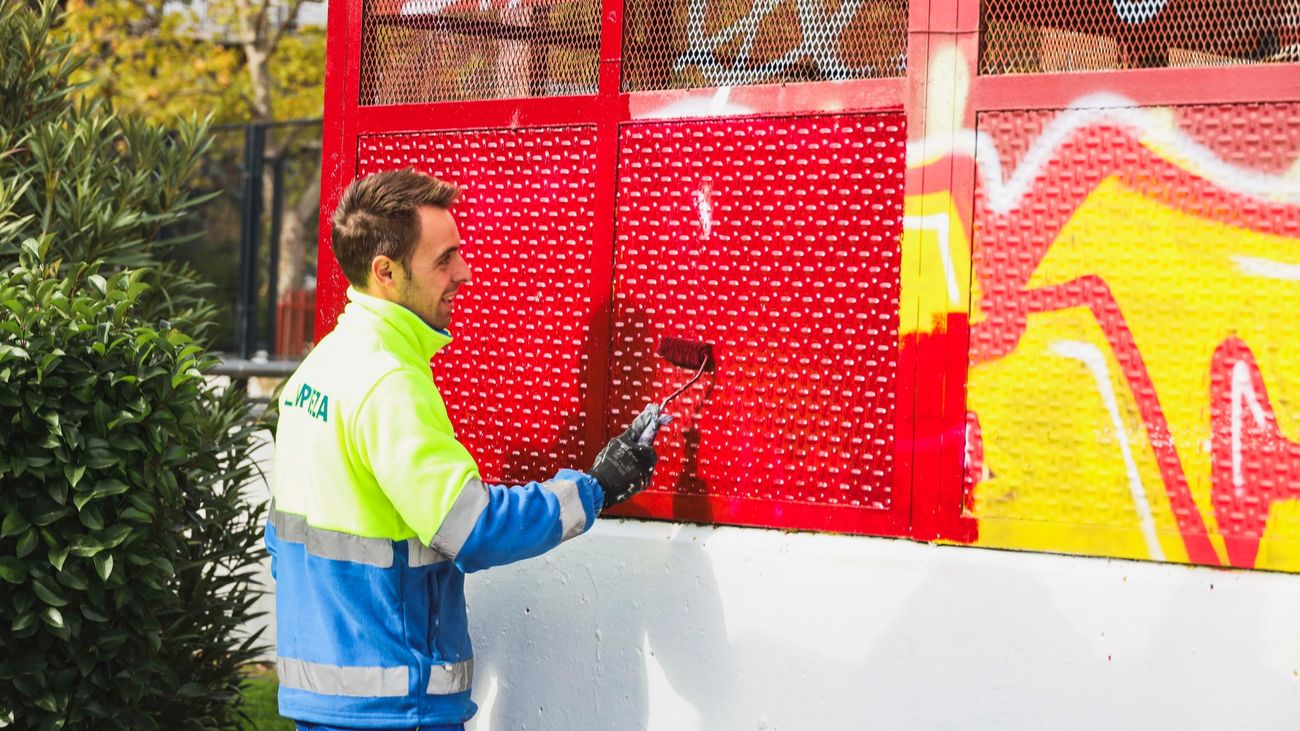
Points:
(1243, 390)
(1005, 194)
(705, 208)
(1136, 12)
(1095, 361)
(820, 44)
(1257, 266)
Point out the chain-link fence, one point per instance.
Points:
(1096, 35)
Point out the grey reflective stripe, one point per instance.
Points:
(573, 516)
(419, 554)
(448, 679)
(357, 681)
(331, 543)
(462, 518)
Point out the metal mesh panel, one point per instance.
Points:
(1030, 36)
(707, 43)
(416, 51)
(777, 241)
(516, 391)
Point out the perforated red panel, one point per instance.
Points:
(515, 378)
(416, 51)
(1027, 36)
(778, 241)
(707, 43)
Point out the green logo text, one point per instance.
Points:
(316, 403)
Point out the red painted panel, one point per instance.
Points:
(515, 378)
(778, 241)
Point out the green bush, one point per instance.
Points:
(128, 552)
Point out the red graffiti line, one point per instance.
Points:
(1253, 464)
(1093, 293)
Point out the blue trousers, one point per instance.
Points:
(319, 727)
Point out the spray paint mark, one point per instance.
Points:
(704, 208)
(1095, 361)
(1242, 391)
(1253, 464)
(1006, 193)
(1256, 266)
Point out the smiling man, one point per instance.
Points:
(378, 511)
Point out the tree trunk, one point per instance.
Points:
(296, 239)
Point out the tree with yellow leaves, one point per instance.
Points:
(239, 60)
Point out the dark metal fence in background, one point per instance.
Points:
(257, 240)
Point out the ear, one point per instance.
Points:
(384, 273)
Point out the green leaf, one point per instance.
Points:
(91, 518)
(13, 524)
(115, 535)
(53, 617)
(104, 565)
(166, 566)
(58, 491)
(85, 546)
(26, 544)
(25, 620)
(103, 488)
(74, 473)
(50, 516)
(136, 515)
(58, 556)
(12, 570)
(48, 595)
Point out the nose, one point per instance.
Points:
(463, 275)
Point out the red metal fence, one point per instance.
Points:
(856, 201)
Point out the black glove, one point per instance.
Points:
(624, 467)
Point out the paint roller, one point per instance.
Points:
(692, 355)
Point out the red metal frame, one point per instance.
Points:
(930, 434)
(608, 109)
(1143, 87)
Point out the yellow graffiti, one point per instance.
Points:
(1068, 459)
(936, 259)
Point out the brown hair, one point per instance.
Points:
(377, 216)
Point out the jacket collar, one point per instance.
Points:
(399, 328)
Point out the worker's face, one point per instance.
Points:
(437, 270)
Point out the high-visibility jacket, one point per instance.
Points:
(377, 513)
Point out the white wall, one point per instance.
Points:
(645, 625)
(649, 625)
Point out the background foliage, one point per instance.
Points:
(239, 60)
(127, 550)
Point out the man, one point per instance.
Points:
(378, 512)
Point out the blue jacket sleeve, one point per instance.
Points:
(514, 523)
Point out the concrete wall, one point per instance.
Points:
(642, 625)
(650, 625)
